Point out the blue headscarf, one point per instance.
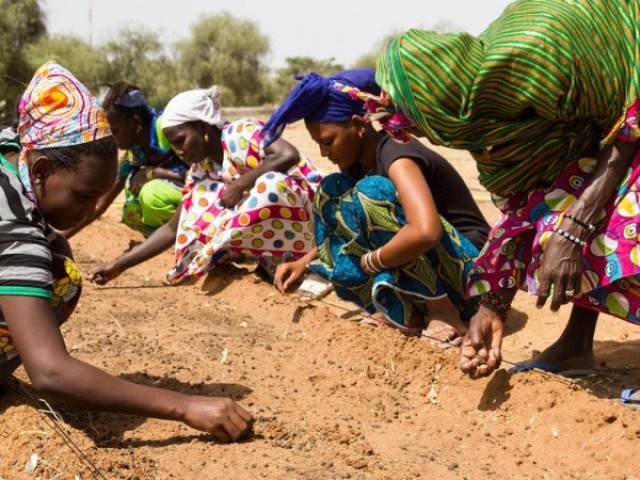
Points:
(314, 99)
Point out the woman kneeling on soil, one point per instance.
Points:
(551, 119)
(67, 163)
(150, 173)
(240, 198)
(397, 230)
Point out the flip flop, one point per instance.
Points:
(548, 368)
(380, 322)
(629, 399)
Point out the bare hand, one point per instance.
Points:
(480, 352)
(233, 193)
(225, 419)
(104, 273)
(287, 274)
(561, 266)
(137, 181)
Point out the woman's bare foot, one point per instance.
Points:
(445, 328)
(378, 319)
(574, 349)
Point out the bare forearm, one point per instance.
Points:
(158, 242)
(407, 245)
(81, 384)
(611, 167)
(163, 173)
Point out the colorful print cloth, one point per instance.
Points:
(56, 110)
(271, 222)
(610, 259)
(353, 218)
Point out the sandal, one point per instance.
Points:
(383, 322)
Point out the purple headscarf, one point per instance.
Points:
(316, 100)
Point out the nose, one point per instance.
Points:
(89, 209)
(324, 151)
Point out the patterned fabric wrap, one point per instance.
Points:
(538, 89)
(67, 287)
(271, 222)
(610, 259)
(380, 108)
(56, 110)
(352, 218)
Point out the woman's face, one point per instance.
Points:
(66, 196)
(339, 142)
(188, 141)
(124, 129)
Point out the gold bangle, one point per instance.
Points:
(149, 173)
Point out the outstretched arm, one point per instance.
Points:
(163, 238)
(54, 372)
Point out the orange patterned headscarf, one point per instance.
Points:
(56, 110)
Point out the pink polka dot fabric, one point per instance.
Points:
(273, 222)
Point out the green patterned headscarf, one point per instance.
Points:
(547, 82)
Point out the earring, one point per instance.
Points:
(138, 128)
(360, 132)
(37, 180)
(206, 137)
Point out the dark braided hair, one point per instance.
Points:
(69, 157)
(110, 103)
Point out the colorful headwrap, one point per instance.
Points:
(380, 109)
(194, 105)
(316, 99)
(56, 110)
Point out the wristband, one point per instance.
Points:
(148, 172)
(589, 226)
(573, 239)
(379, 260)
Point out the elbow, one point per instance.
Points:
(427, 238)
(48, 379)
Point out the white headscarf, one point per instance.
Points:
(194, 105)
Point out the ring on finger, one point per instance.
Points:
(570, 293)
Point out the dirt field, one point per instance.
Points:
(334, 400)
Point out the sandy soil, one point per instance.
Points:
(333, 399)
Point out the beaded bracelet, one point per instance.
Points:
(589, 226)
(569, 237)
(495, 302)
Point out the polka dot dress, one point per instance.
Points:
(272, 222)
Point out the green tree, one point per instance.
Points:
(86, 62)
(140, 58)
(21, 23)
(229, 52)
(285, 77)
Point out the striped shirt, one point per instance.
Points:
(25, 251)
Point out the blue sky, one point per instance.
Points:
(340, 29)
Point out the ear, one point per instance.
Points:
(41, 168)
(359, 121)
